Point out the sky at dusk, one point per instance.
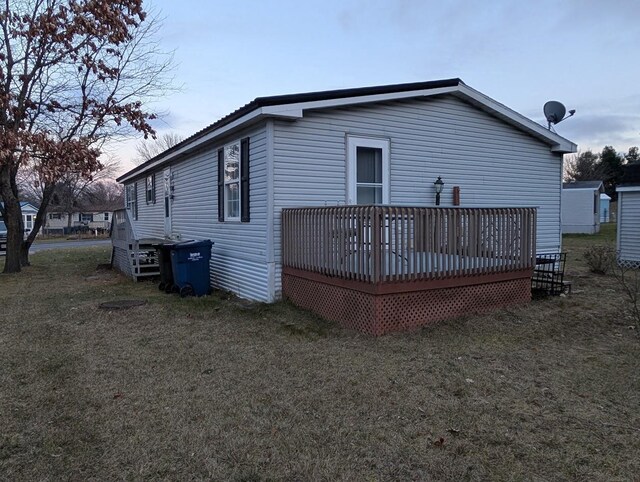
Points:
(585, 54)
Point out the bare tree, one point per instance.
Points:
(584, 166)
(72, 188)
(628, 276)
(73, 74)
(106, 195)
(69, 190)
(150, 148)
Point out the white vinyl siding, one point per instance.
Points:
(150, 223)
(629, 225)
(578, 211)
(239, 259)
(492, 162)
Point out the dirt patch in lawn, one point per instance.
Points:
(209, 388)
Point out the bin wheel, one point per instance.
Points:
(186, 290)
(174, 289)
(161, 286)
(168, 288)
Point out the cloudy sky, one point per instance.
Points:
(584, 53)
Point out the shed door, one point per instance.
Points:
(167, 202)
(367, 170)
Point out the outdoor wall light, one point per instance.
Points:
(439, 184)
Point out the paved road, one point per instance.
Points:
(88, 243)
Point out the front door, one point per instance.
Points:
(167, 201)
(367, 170)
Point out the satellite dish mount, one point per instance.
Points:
(555, 112)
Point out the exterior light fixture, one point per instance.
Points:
(439, 184)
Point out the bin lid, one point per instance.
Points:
(165, 245)
(193, 244)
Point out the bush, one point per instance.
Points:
(600, 258)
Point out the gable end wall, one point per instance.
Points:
(494, 163)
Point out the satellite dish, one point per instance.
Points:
(554, 112)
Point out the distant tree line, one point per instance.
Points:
(606, 166)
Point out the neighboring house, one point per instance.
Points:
(605, 208)
(58, 222)
(382, 145)
(628, 237)
(29, 212)
(581, 207)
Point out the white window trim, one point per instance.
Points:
(150, 189)
(353, 142)
(130, 199)
(237, 181)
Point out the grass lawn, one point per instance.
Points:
(213, 388)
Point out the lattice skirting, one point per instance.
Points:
(377, 314)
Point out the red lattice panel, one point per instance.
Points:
(352, 309)
(380, 314)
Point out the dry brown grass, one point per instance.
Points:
(216, 389)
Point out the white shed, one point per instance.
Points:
(372, 145)
(628, 235)
(581, 207)
(605, 208)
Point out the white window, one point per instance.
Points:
(86, 218)
(106, 216)
(55, 216)
(28, 222)
(367, 170)
(131, 193)
(232, 181)
(150, 189)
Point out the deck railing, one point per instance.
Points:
(122, 230)
(381, 244)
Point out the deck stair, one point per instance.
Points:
(135, 256)
(143, 259)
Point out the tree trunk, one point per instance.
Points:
(24, 253)
(12, 214)
(37, 224)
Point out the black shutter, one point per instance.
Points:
(153, 188)
(244, 180)
(221, 185)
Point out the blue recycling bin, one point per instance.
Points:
(190, 263)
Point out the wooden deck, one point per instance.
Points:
(134, 256)
(381, 259)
